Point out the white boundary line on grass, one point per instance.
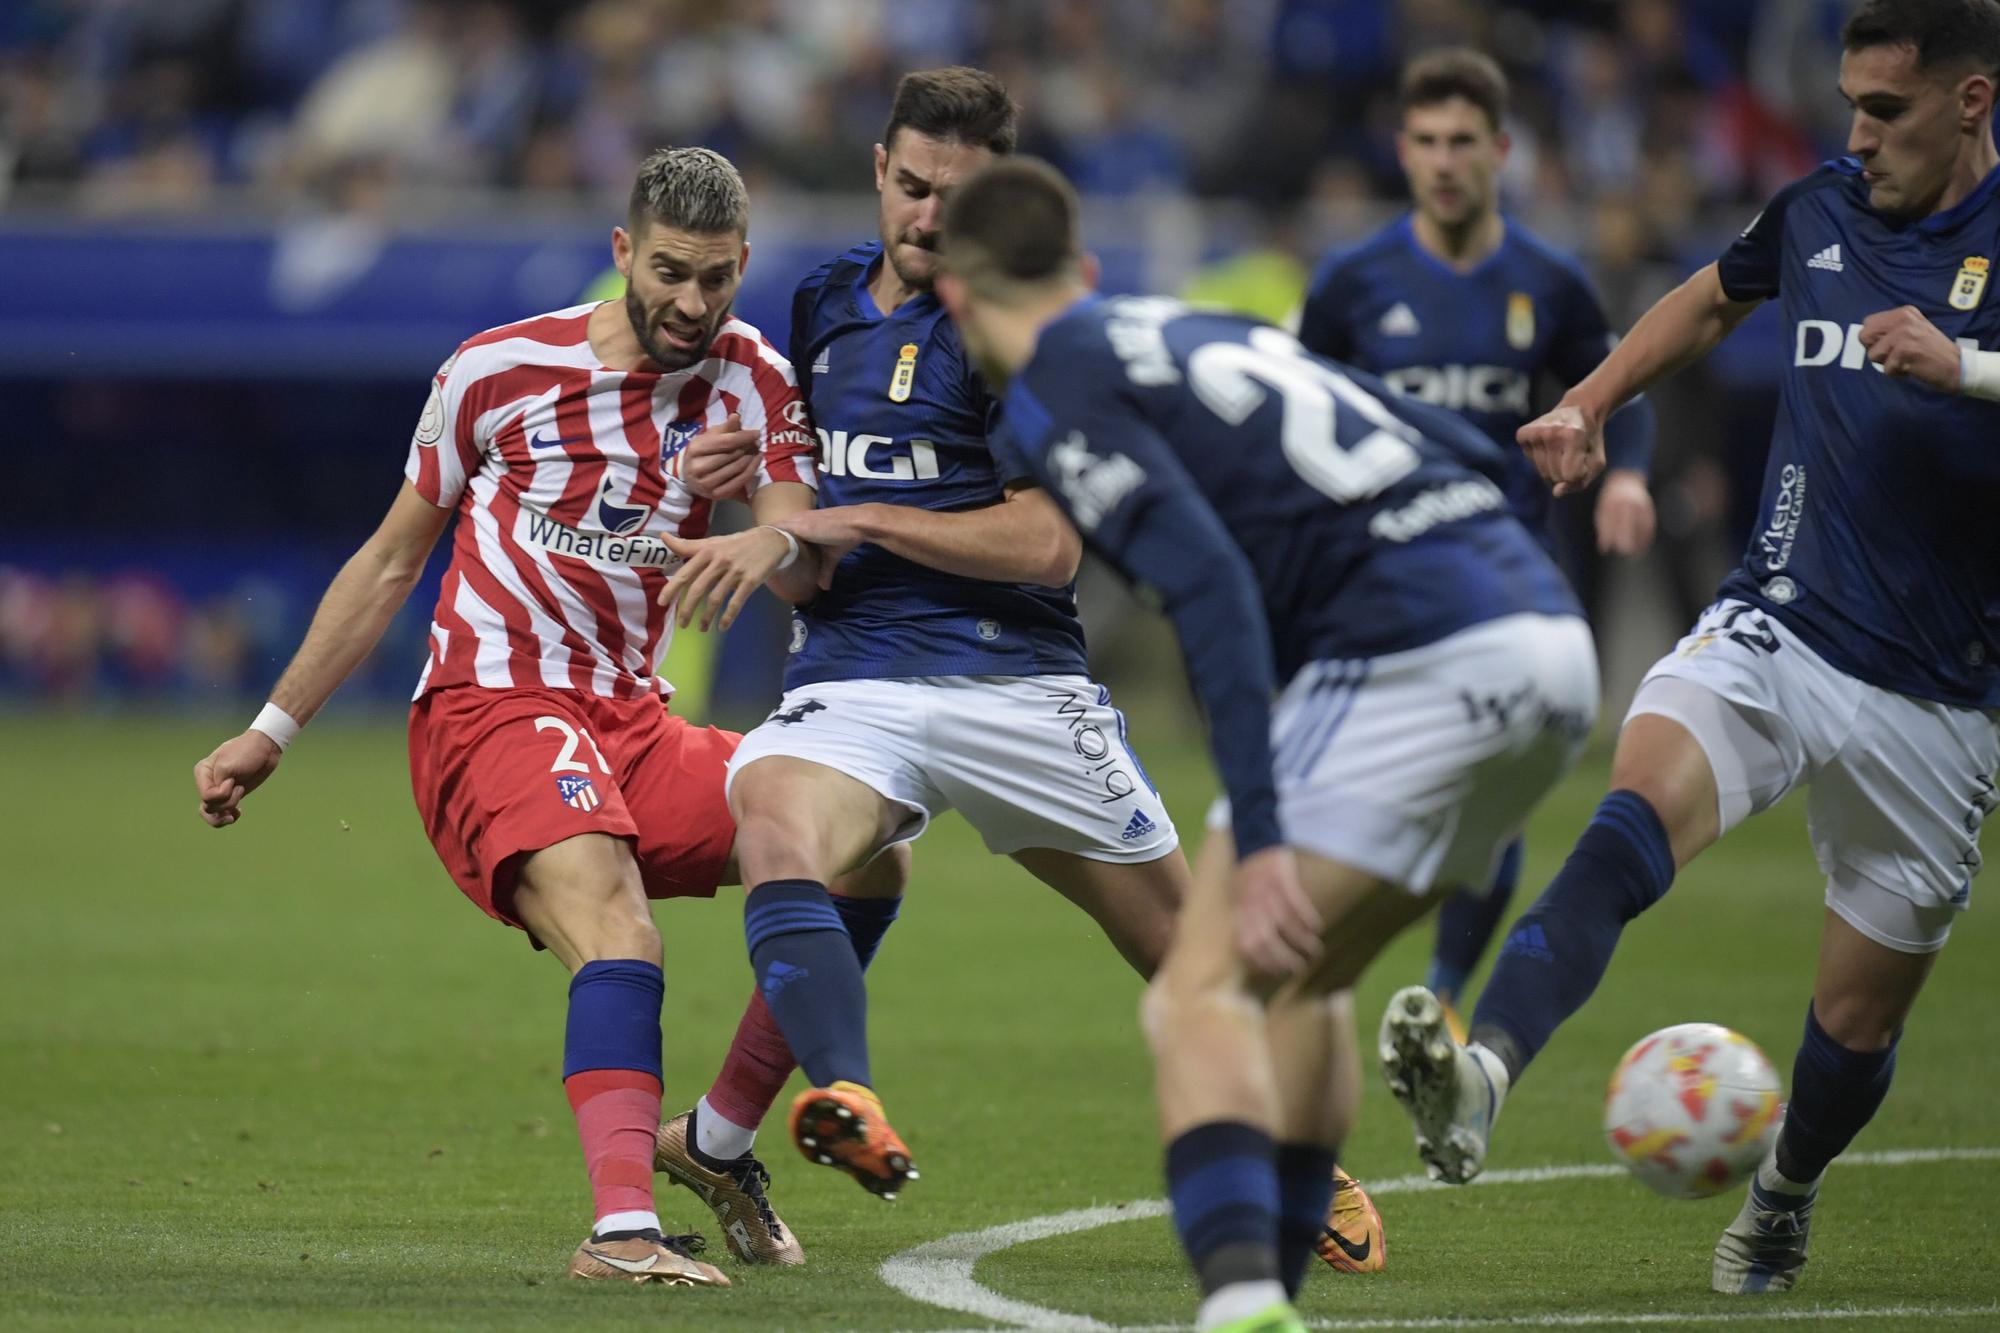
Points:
(939, 1272)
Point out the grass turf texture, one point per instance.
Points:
(284, 1076)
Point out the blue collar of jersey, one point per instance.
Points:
(864, 300)
(1964, 208)
(1409, 228)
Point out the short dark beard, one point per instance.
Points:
(916, 282)
(663, 354)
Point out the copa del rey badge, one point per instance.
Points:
(906, 374)
(1970, 284)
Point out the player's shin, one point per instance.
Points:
(1465, 926)
(809, 976)
(1317, 1086)
(1835, 1093)
(760, 1061)
(611, 1073)
(1557, 952)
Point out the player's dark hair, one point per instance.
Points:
(689, 189)
(1014, 221)
(957, 104)
(1942, 31)
(1455, 71)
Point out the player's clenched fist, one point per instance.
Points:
(1908, 346)
(1277, 927)
(718, 463)
(1566, 447)
(236, 768)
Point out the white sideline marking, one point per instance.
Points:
(1790, 1315)
(939, 1272)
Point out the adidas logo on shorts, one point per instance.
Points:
(1828, 259)
(1139, 827)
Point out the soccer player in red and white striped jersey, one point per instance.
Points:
(557, 788)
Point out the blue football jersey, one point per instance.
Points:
(1475, 343)
(903, 419)
(1877, 543)
(1286, 509)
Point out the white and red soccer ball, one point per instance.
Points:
(1692, 1109)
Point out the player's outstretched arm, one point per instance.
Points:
(356, 609)
(718, 574)
(1023, 539)
(1567, 444)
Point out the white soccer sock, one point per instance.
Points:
(636, 1220)
(1238, 1300)
(1496, 1070)
(1776, 1181)
(718, 1136)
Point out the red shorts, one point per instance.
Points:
(502, 773)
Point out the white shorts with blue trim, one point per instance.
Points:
(1898, 786)
(1030, 761)
(1420, 767)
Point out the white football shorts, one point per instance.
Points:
(1897, 786)
(1421, 766)
(1030, 761)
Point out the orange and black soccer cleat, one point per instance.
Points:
(843, 1126)
(667, 1260)
(1352, 1241)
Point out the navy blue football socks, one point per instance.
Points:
(614, 1017)
(1305, 1190)
(810, 977)
(1466, 924)
(1556, 954)
(1224, 1186)
(1835, 1092)
(867, 921)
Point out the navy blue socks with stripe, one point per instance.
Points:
(810, 977)
(1224, 1188)
(1557, 953)
(1305, 1191)
(1835, 1092)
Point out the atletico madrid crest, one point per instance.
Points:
(577, 793)
(1970, 284)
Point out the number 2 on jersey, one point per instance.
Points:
(1232, 379)
(567, 762)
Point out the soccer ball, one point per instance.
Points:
(1692, 1109)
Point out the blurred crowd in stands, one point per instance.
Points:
(151, 105)
(1644, 133)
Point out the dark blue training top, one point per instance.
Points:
(1472, 342)
(1286, 509)
(902, 419)
(1880, 539)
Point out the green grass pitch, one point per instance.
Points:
(284, 1076)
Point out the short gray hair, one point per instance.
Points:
(689, 189)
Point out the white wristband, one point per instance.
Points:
(276, 723)
(791, 544)
(1979, 373)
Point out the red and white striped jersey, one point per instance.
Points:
(564, 473)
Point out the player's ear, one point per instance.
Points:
(743, 261)
(881, 167)
(1090, 270)
(1504, 142)
(1975, 100)
(621, 252)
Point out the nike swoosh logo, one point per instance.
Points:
(556, 442)
(634, 1266)
(1358, 1253)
